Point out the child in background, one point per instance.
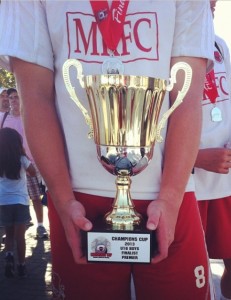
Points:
(14, 198)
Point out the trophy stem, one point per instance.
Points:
(123, 214)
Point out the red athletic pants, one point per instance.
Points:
(216, 220)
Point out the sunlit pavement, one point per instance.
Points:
(217, 268)
(36, 286)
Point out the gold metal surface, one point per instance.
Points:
(124, 109)
(124, 123)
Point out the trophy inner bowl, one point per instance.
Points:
(124, 161)
(125, 111)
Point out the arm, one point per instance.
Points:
(181, 148)
(217, 160)
(41, 121)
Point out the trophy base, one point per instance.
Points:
(105, 244)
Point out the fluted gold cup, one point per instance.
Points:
(124, 124)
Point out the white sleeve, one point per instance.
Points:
(25, 162)
(227, 64)
(223, 48)
(194, 30)
(24, 33)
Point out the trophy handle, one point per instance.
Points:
(71, 90)
(180, 96)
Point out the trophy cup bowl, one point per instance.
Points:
(124, 124)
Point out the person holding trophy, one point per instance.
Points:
(132, 59)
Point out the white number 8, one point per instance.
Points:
(199, 273)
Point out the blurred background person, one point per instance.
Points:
(14, 198)
(14, 120)
(4, 101)
(212, 174)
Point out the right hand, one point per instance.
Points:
(162, 217)
(72, 215)
(217, 160)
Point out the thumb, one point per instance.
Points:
(152, 222)
(84, 224)
(153, 213)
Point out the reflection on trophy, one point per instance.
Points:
(124, 124)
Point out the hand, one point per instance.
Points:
(162, 217)
(72, 215)
(217, 160)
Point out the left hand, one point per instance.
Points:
(217, 160)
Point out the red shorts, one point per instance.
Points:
(183, 275)
(216, 220)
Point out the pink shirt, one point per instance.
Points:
(15, 122)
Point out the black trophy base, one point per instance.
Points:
(105, 244)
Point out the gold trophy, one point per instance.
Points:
(124, 124)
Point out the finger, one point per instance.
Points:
(164, 240)
(83, 223)
(224, 170)
(153, 218)
(76, 247)
(81, 260)
(151, 224)
(74, 237)
(158, 258)
(162, 252)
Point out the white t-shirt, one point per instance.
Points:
(15, 191)
(57, 30)
(211, 185)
